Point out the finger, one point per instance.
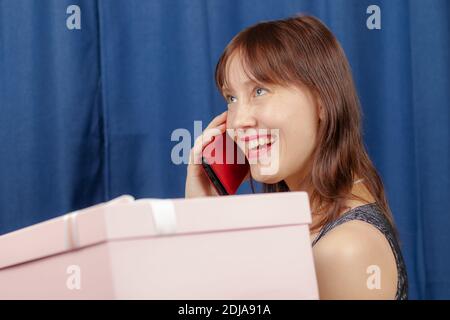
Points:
(221, 118)
(203, 140)
(212, 132)
(208, 135)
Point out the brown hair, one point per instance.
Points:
(302, 51)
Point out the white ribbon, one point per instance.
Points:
(71, 240)
(164, 216)
(163, 213)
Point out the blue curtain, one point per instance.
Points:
(87, 114)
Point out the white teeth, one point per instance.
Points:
(272, 139)
(252, 144)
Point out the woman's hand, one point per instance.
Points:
(197, 182)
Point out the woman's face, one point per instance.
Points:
(290, 117)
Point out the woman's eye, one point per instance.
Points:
(260, 91)
(231, 99)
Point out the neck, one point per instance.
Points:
(297, 181)
(295, 184)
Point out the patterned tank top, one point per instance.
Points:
(372, 214)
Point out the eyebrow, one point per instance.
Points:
(246, 83)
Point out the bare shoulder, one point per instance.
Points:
(355, 261)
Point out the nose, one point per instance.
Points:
(242, 118)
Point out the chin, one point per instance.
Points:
(258, 176)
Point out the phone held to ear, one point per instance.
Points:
(226, 177)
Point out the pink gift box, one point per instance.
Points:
(231, 247)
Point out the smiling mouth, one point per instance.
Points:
(259, 146)
(260, 142)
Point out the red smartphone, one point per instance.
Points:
(225, 173)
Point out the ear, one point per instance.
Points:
(319, 105)
(321, 113)
(320, 109)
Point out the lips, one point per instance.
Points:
(258, 145)
(258, 153)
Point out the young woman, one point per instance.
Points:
(292, 75)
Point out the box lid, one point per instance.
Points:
(125, 217)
